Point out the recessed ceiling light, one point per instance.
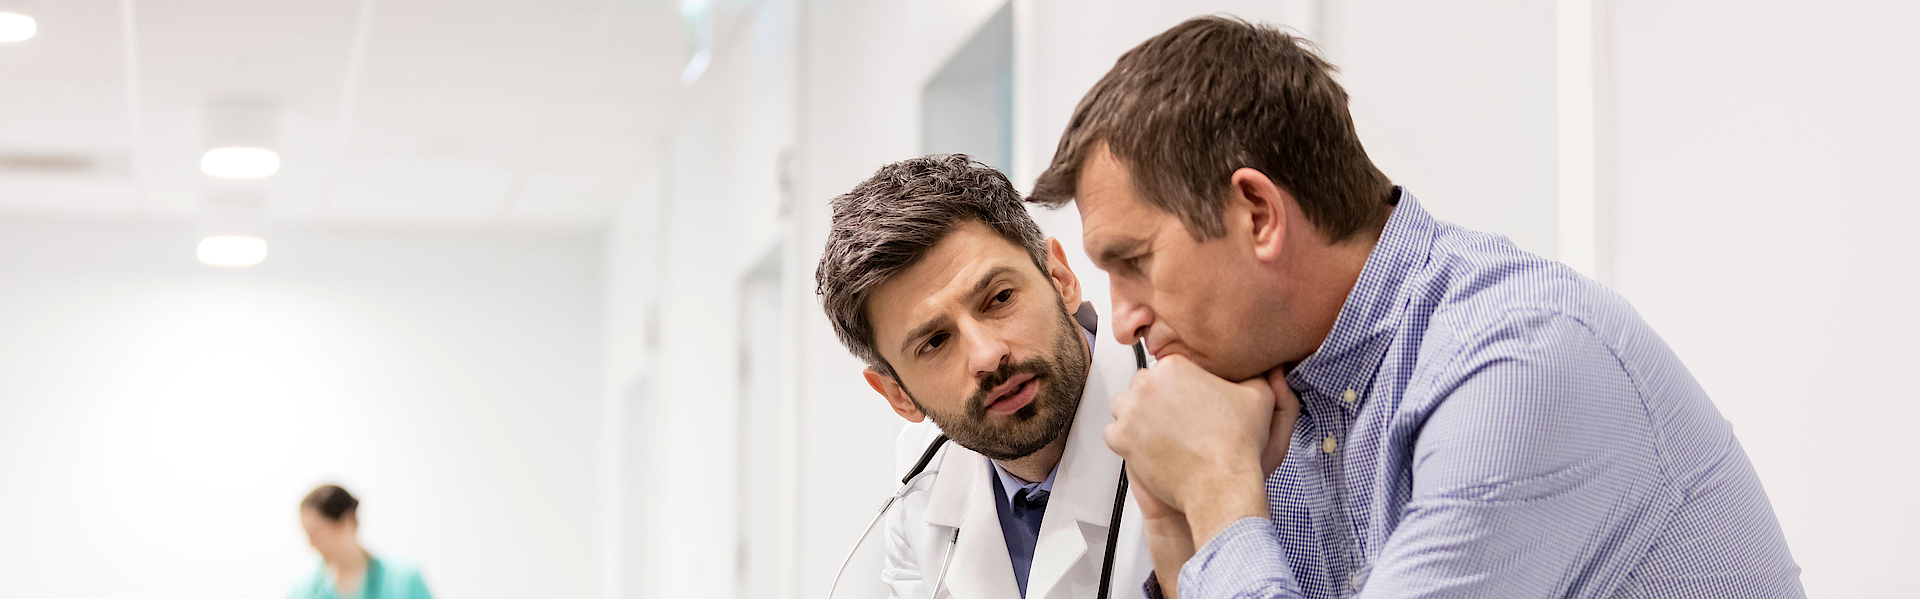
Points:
(232, 250)
(240, 139)
(16, 27)
(240, 163)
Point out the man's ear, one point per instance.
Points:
(1062, 275)
(896, 395)
(1266, 203)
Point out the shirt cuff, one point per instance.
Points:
(1245, 560)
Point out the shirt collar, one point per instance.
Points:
(1089, 321)
(1352, 351)
(1010, 484)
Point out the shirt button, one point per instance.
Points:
(1329, 445)
(1349, 396)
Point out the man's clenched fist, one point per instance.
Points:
(1199, 443)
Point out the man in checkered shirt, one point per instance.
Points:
(1355, 398)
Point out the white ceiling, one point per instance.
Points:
(475, 112)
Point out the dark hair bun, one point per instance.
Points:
(331, 501)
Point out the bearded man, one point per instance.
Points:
(968, 317)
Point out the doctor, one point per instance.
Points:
(971, 325)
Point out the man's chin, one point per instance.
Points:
(1010, 455)
(1010, 451)
(1231, 372)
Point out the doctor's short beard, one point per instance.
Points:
(1061, 377)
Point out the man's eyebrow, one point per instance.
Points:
(930, 326)
(1117, 251)
(943, 321)
(987, 280)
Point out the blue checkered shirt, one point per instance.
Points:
(1482, 422)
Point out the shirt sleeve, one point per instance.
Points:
(1243, 561)
(307, 588)
(417, 587)
(1535, 467)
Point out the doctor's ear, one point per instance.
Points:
(896, 395)
(1062, 275)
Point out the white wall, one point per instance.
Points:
(1764, 227)
(708, 209)
(1455, 100)
(160, 420)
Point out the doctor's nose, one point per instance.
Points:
(986, 353)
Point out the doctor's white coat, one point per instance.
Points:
(1073, 534)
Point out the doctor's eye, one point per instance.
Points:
(1003, 296)
(934, 343)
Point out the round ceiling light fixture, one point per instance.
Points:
(16, 27)
(232, 226)
(16, 21)
(240, 140)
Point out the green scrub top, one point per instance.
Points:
(385, 580)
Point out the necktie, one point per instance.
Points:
(1029, 507)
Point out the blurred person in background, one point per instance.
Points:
(1449, 416)
(330, 517)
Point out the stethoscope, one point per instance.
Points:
(920, 471)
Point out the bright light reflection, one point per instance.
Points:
(232, 250)
(240, 163)
(15, 27)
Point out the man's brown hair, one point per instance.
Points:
(1185, 109)
(891, 220)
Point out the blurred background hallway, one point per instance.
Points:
(537, 281)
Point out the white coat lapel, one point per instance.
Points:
(953, 485)
(1081, 506)
(963, 499)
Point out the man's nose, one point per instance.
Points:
(986, 352)
(1131, 319)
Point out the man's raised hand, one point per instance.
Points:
(1199, 443)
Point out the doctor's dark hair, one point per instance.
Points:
(331, 501)
(891, 220)
(1184, 110)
